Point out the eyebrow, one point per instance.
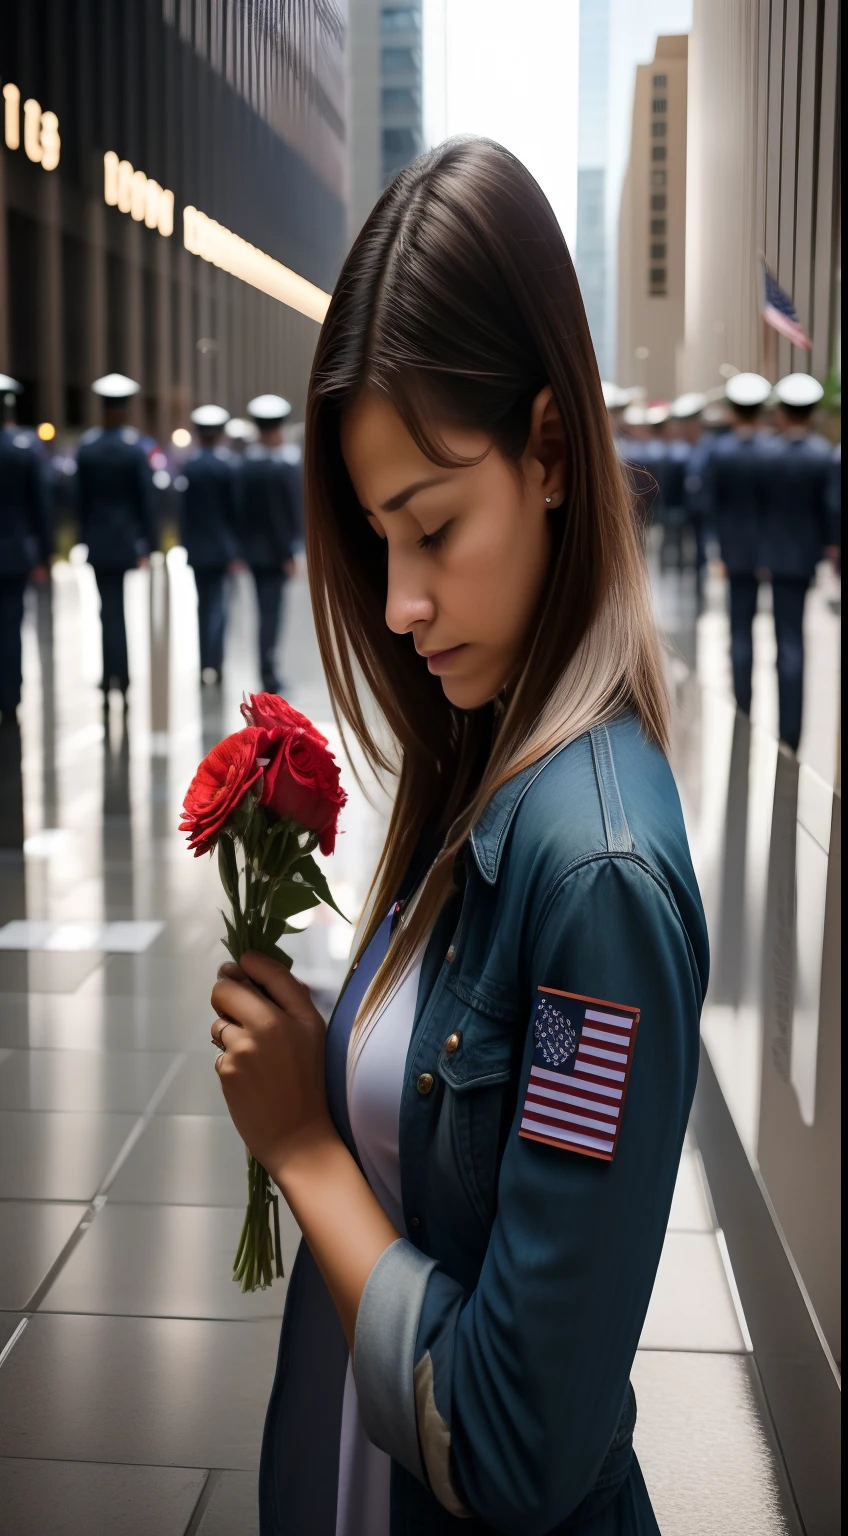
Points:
(395, 503)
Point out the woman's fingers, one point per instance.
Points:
(217, 1031)
(242, 1004)
(231, 970)
(279, 983)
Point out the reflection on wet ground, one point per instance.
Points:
(138, 1374)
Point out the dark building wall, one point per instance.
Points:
(121, 77)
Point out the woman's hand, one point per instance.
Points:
(272, 1065)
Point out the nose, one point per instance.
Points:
(408, 600)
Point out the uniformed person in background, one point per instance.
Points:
(686, 433)
(239, 434)
(639, 449)
(796, 532)
(114, 489)
(208, 522)
(734, 478)
(25, 540)
(270, 523)
(654, 459)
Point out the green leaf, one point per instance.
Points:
(228, 867)
(272, 931)
(231, 942)
(314, 876)
(292, 896)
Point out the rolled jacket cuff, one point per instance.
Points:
(384, 1351)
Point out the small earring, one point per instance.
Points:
(549, 501)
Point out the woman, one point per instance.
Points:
(482, 1155)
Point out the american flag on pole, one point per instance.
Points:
(583, 1049)
(779, 313)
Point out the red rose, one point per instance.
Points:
(220, 784)
(302, 781)
(270, 711)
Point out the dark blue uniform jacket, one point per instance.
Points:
(674, 469)
(494, 1343)
(270, 517)
(25, 534)
(796, 516)
(696, 483)
(735, 474)
(114, 490)
(208, 509)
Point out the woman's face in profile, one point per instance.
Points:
(468, 548)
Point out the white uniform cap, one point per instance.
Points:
(10, 386)
(115, 386)
(268, 408)
(635, 416)
(655, 415)
(799, 389)
(688, 405)
(212, 416)
(240, 430)
(614, 398)
(747, 389)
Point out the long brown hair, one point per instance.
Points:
(459, 301)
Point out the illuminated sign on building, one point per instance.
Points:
(132, 192)
(42, 143)
(213, 242)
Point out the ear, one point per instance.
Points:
(544, 456)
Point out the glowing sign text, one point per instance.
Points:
(42, 143)
(213, 242)
(132, 192)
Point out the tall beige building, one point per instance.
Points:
(652, 226)
(763, 179)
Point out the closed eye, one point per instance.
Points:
(433, 540)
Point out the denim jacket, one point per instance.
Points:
(494, 1344)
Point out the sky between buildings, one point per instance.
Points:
(508, 69)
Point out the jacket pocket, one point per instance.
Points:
(478, 1065)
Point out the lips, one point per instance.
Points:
(440, 661)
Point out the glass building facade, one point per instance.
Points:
(117, 119)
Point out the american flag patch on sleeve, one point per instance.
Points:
(583, 1048)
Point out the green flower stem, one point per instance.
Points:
(259, 1258)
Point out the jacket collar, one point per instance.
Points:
(488, 835)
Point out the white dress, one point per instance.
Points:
(374, 1094)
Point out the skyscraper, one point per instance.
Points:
(591, 255)
(169, 182)
(386, 113)
(652, 226)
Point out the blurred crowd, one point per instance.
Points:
(743, 482)
(229, 491)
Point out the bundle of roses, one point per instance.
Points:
(265, 798)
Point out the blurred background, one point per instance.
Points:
(179, 183)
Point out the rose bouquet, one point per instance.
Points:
(265, 798)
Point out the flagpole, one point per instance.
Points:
(769, 352)
(769, 335)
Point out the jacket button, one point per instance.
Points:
(451, 955)
(414, 1222)
(425, 1082)
(452, 1044)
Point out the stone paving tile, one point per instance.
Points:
(52, 1155)
(22, 972)
(143, 1391)
(67, 1498)
(166, 1261)
(233, 1507)
(185, 1160)
(80, 1081)
(32, 1236)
